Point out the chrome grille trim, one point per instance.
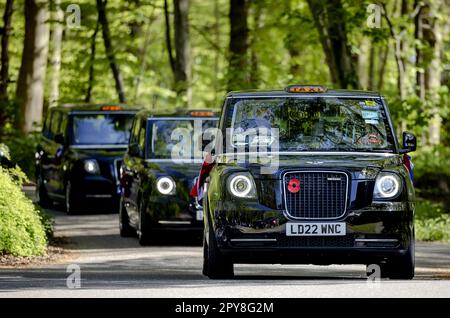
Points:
(284, 186)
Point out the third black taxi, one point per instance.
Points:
(309, 176)
(78, 160)
(158, 171)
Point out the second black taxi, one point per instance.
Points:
(158, 171)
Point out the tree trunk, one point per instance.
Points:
(169, 37)
(398, 53)
(329, 17)
(217, 86)
(6, 31)
(30, 84)
(91, 64)
(4, 71)
(254, 58)
(292, 45)
(364, 62)
(432, 36)
(55, 60)
(418, 36)
(102, 18)
(371, 76)
(238, 73)
(384, 52)
(182, 50)
(142, 55)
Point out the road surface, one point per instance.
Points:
(111, 266)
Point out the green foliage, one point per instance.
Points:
(47, 222)
(432, 173)
(5, 151)
(432, 221)
(21, 230)
(22, 150)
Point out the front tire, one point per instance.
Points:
(402, 267)
(144, 231)
(125, 228)
(215, 265)
(71, 207)
(42, 195)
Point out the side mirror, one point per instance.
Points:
(134, 150)
(59, 139)
(409, 142)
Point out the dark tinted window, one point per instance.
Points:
(55, 124)
(135, 131)
(46, 128)
(101, 129)
(141, 140)
(306, 123)
(167, 137)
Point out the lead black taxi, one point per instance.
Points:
(309, 176)
(158, 171)
(78, 160)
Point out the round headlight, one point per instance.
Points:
(165, 185)
(387, 186)
(91, 166)
(241, 186)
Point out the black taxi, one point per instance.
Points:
(307, 175)
(160, 167)
(78, 160)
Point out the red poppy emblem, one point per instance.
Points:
(294, 185)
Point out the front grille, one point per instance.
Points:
(320, 241)
(321, 194)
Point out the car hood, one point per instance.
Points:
(184, 175)
(174, 170)
(100, 154)
(351, 162)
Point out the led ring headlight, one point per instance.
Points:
(241, 186)
(91, 166)
(387, 186)
(165, 185)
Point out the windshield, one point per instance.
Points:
(173, 138)
(311, 123)
(102, 129)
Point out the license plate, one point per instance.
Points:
(199, 215)
(316, 229)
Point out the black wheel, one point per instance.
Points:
(144, 231)
(124, 222)
(42, 195)
(402, 267)
(70, 203)
(215, 265)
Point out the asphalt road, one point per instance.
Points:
(111, 266)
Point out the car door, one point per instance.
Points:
(53, 156)
(130, 178)
(43, 149)
(61, 160)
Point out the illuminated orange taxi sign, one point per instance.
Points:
(202, 114)
(305, 89)
(111, 108)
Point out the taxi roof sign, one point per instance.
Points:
(203, 113)
(305, 89)
(111, 108)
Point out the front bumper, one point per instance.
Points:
(97, 191)
(171, 212)
(373, 234)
